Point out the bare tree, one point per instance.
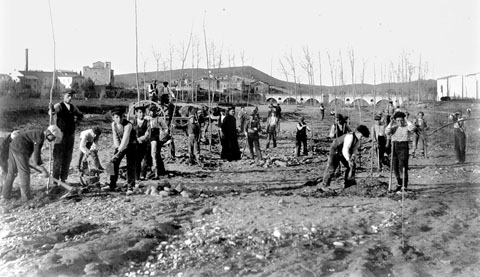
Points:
(198, 57)
(291, 62)
(184, 55)
(283, 70)
(351, 55)
(308, 67)
(157, 56)
(144, 77)
(320, 72)
(171, 50)
(340, 67)
(364, 64)
(332, 68)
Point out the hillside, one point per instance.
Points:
(427, 87)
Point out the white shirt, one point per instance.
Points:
(347, 143)
(85, 137)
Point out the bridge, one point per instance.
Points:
(330, 99)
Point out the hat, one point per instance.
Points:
(97, 130)
(398, 115)
(231, 108)
(458, 112)
(339, 116)
(139, 107)
(377, 117)
(165, 84)
(153, 107)
(54, 130)
(362, 129)
(117, 111)
(69, 91)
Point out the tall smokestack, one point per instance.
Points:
(26, 59)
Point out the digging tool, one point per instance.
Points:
(63, 184)
(438, 129)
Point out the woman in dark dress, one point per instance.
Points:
(230, 148)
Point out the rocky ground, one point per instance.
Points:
(246, 218)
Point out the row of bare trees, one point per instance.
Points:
(404, 70)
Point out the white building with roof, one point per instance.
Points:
(459, 86)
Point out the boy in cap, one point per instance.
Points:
(157, 127)
(399, 130)
(140, 125)
(420, 134)
(125, 142)
(339, 128)
(89, 147)
(252, 130)
(344, 149)
(242, 117)
(153, 91)
(23, 146)
(460, 138)
(322, 111)
(67, 117)
(378, 134)
(301, 137)
(272, 126)
(193, 131)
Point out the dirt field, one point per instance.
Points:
(248, 219)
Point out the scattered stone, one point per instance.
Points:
(338, 244)
(179, 188)
(163, 193)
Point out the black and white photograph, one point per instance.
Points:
(239, 138)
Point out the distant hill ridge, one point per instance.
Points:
(129, 80)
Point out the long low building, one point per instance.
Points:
(459, 86)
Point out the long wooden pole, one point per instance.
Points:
(208, 72)
(136, 54)
(51, 98)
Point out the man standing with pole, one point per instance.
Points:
(400, 129)
(67, 118)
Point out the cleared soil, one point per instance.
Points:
(246, 218)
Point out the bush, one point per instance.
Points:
(445, 98)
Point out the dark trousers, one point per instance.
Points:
(17, 163)
(323, 114)
(272, 136)
(158, 167)
(253, 142)
(460, 144)
(62, 157)
(420, 137)
(400, 161)
(194, 148)
(381, 143)
(302, 141)
(333, 163)
(141, 160)
(130, 152)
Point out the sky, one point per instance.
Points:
(443, 36)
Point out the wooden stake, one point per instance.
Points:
(50, 169)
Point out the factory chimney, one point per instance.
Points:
(26, 59)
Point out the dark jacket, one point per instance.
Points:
(66, 118)
(29, 142)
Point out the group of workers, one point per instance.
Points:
(141, 140)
